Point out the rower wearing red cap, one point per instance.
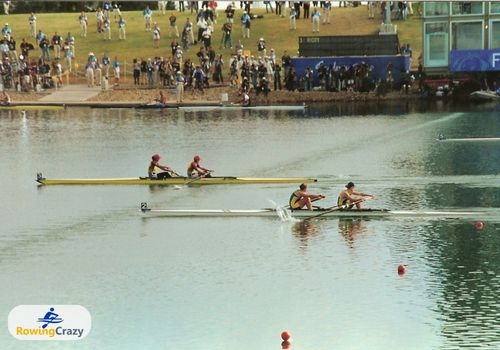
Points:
(195, 170)
(154, 165)
(351, 197)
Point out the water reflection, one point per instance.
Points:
(351, 228)
(305, 230)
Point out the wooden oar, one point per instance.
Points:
(345, 206)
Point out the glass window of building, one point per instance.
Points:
(466, 8)
(495, 35)
(436, 44)
(467, 35)
(495, 7)
(436, 8)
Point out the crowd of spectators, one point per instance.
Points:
(43, 63)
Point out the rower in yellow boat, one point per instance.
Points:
(154, 165)
(195, 170)
(301, 198)
(350, 197)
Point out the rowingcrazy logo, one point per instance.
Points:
(49, 322)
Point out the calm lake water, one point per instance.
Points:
(236, 283)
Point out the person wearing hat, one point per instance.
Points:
(351, 197)
(195, 170)
(154, 165)
(301, 198)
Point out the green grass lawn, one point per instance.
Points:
(139, 43)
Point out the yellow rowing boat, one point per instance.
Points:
(219, 180)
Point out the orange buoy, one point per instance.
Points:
(285, 335)
(401, 269)
(479, 225)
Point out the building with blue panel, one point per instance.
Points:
(461, 36)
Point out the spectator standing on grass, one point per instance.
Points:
(68, 56)
(39, 37)
(306, 6)
(56, 44)
(207, 37)
(6, 31)
(188, 27)
(293, 19)
(156, 35)
(261, 47)
(105, 64)
(32, 23)
(179, 86)
(327, 10)
(116, 70)
(44, 46)
(315, 20)
(89, 74)
(268, 4)
(99, 15)
(107, 8)
(277, 77)
(194, 6)
(218, 68)
(6, 7)
(296, 6)
(25, 49)
(182, 8)
(12, 50)
(229, 13)
(117, 13)
(137, 71)
(202, 25)
(174, 32)
(371, 9)
(82, 19)
(106, 28)
(122, 29)
(227, 28)
(246, 23)
(148, 15)
(212, 5)
(162, 6)
(70, 40)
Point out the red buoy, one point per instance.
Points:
(285, 335)
(401, 269)
(479, 225)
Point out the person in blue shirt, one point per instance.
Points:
(246, 22)
(116, 69)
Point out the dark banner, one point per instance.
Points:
(475, 60)
(378, 64)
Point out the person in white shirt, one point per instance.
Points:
(162, 6)
(32, 22)
(189, 30)
(83, 24)
(327, 9)
(156, 35)
(315, 20)
(117, 13)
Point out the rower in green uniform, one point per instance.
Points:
(300, 198)
(351, 197)
(153, 167)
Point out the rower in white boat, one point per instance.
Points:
(350, 197)
(153, 167)
(301, 198)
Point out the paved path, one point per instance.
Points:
(71, 93)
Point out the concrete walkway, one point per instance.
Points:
(71, 94)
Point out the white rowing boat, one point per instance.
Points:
(483, 95)
(269, 212)
(239, 108)
(470, 139)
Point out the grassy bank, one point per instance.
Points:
(275, 30)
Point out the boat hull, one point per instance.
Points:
(302, 213)
(178, 181)
(240, 108)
